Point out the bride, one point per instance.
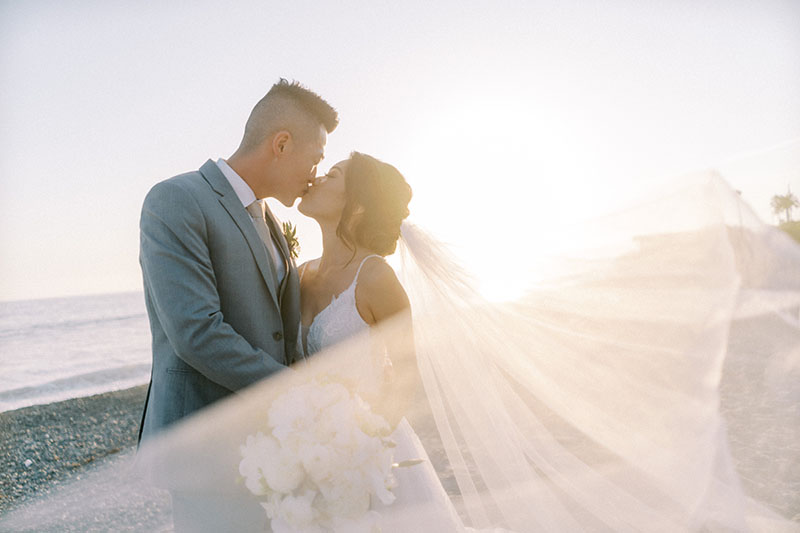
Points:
(360, 205)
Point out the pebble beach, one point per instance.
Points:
(47, 445)
(49, 449)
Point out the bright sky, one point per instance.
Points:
(497, 112)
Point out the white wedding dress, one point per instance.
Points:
(421, 502)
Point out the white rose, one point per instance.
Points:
(324, 429)
(347, 496)
(272, 505)
(279, 526)
(319, 461)
(290, 413)
(283, 471)
(255, 453)
(298, 511)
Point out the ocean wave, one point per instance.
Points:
(86, 384)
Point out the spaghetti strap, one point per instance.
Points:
(355, 279)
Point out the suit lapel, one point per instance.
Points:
(237, 212)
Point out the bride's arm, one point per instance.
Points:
(383, 303)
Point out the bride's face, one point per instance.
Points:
(326, 198)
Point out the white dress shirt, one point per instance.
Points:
(247, 197)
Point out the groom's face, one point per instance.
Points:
(299, 166)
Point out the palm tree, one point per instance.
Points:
(784, 203)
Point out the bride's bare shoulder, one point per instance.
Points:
(379, 290)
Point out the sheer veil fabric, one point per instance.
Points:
(653, 384)
(652, 387)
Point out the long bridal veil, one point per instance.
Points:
(651, 383)
(652, 386)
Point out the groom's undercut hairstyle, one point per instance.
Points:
(289, 106)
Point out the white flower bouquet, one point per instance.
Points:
(323, 459)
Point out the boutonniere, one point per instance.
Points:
(290, 234)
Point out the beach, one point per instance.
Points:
(50, 449)
(48, 445)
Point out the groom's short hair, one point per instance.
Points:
(289, 106)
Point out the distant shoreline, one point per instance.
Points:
(14, 300)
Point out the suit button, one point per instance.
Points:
(277, 335)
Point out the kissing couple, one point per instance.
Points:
(620, 397)
(228, 307)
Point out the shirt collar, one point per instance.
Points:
(240, 187)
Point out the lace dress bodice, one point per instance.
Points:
(340, 321)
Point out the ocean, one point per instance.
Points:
(61, 348)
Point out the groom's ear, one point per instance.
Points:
(281, 142)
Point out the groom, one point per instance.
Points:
(221, 290)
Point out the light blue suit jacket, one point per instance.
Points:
(217, 319)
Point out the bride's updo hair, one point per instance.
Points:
(376, 203)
